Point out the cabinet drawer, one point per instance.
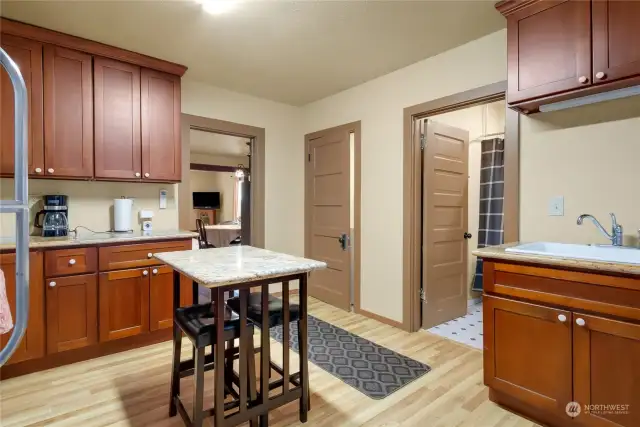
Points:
(66, 262)
(138, 255)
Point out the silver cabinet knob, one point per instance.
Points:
(562, 318)
(52, 284)
(580, 321)
(583, 79)
(146, 175)
(38, 170)
(72, 261)
(600, 75)
(149, 255)
(145, 273)
(50, 170)
(137, 174)
(154, 271)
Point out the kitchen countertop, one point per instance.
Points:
(235, 264)
(88, 238)
(499, 253)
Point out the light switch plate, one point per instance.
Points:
(163, 199)
(556, 206)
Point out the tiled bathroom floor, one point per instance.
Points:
(466, 329)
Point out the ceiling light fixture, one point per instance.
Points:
(217, 7)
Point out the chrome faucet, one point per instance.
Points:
(616, 229)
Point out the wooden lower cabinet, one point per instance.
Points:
(606, 371)
(528, 353)
(124, 303)
(161, 298)
(33, 342)
(72, 312)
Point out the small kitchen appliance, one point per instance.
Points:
(54, 218)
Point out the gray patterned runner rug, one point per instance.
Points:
(368, 367)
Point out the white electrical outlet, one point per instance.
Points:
(556, 206)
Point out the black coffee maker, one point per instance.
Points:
(54, 218)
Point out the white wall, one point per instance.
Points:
(379, 105)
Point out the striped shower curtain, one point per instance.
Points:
(491, 224)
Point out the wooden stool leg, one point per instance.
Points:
(228, 367)
(251, 369)
(175, 370)
(198, 396)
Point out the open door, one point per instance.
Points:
(445, 175)
(327, 209)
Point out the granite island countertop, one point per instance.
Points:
(499, 253)
(86, 238)
(235, 264)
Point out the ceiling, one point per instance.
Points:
(217, 144)
(288, 51)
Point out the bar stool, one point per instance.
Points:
(276, 318)
(197, 323)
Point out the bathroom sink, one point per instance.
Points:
(566, 250)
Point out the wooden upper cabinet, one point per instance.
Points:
(118, 149)
(72, 312)
(548, 48)
(27, 54)
(616, 40)
(606, 355)
(68, 113)
(161, 146)
(528, 353)
(33, 342)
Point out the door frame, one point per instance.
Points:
(355, 128)
(412, 185)
(257, 137)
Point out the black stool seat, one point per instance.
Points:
(254, 312)
(197, 322)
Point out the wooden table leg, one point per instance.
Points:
(302, 345)
(218, 407)
(265, 354)
(177, 342)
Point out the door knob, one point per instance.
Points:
(72, 261)
(52, 284)
(583, 79)
(145, 273)
(154, 271)
(468, 235)
(137, 174)
(146, 175)
(562, 318)
(580, 321)
(600, 75)
(50, 170)
(38, 170)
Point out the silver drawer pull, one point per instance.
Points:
(580, 321)
(52, 284)
(149, 255)
(72, 261)
(562, 318)
(154, 271)
(145, 273)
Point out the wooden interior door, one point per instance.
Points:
(68, 113)
(33, 342)
(616, 40)
(548, 48)
(161, 298)
(161, 147)
(123, 303)
(444, 223)
(72, 312)
(27, 54)
(606, 368)
(117, 119)
(327, 220)
(527, 353)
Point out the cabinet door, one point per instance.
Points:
(527, 353)
(27, 54)
(161, 147)
(32, 345)
(124, 304)
(548, 48)
(616, 40)
(161, 298)
(606, 368)
(68, 113)
(117, 119)
(72, 312)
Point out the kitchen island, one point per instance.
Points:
(241, 268)
(562, 338)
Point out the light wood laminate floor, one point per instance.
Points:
(132, 388)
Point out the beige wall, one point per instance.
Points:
(91, 203)
(379, 104)
(479, 120)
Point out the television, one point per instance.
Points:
(206, 200)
